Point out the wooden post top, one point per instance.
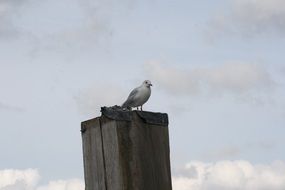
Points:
(126, 150)
(116, 113)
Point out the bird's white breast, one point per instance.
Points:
(142, 96)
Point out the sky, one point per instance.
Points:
(217, 69)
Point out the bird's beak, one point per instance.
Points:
(150, 84)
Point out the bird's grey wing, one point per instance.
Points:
(130, 99)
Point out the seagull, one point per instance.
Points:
(138, 96)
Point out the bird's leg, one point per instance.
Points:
(141, 108)
(137, 108)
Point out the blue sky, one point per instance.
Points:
(217, 68)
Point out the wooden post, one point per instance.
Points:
(126, 150)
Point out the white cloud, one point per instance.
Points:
(29, 180)
(222, 175)
(13, 179)
(235, 78)
(73, 184)
(231, 175)
(73, 29)
(84, 24)
(250, 17)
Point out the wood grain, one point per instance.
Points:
(126, 155)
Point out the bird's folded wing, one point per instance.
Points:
(130, 99)
(133, 93)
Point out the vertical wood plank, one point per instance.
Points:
(111, 154)
(148, 156)
(94, 170)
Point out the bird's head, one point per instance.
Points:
(147, 83)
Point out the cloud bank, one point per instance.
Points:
(234, 78)
(18, 179)
(73, 184)
(222, 175)
(250, 18)
(29, 180)
(231, 175)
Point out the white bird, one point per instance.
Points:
(138, 96)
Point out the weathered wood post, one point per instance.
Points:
(126, 150)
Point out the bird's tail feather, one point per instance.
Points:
(125, 104)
